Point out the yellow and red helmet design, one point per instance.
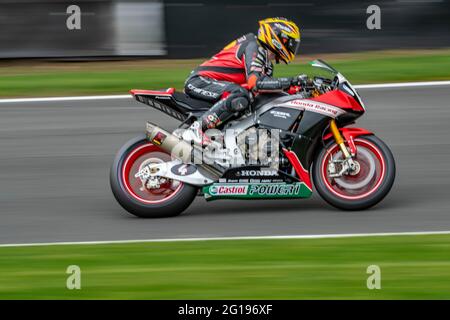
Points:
(281, 36)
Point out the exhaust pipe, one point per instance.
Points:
(178, 148)
(170, 143)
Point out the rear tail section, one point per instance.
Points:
(178, 105)
(160, 100)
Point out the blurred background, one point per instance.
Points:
(192, 29)
(56, 152)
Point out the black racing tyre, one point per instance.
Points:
(170, 199)
(366, 187)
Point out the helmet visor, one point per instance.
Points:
(293, 45)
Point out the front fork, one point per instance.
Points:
(339, 139)
(349, 165)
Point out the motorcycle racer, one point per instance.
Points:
(156, 174)
(247, 60)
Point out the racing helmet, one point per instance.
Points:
(281, 36)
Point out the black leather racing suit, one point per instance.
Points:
(220, 79)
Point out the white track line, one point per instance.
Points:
(126, 96)
(312, 236)
(403, 85)
(57, 99)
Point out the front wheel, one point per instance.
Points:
(147, 199)
(363, 188)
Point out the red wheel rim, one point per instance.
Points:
(372, 169)
(134, 186)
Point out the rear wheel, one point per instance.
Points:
(147, 199)
(367, 185)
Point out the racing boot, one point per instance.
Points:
(211, 119)
(194, 133)
(219, 113)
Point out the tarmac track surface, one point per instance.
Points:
(55, 159)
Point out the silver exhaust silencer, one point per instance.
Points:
(176, 147)
(179, 148)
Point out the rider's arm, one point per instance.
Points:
(257, 66)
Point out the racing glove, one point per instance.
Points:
(277, 84)
(274, 84)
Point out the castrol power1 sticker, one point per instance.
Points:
(314, 106)
(256, 190)
(222, 190)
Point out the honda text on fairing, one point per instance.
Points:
(304, 138)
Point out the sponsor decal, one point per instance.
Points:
(183, 169)
(163, 97)
(256, 190)
(159, 138)
(277, 44)
(275, 190)
(213, 120)
(280, 114)
(258, 173)
(283, 27)
(221, 190)
(202, 91)
(317, 107)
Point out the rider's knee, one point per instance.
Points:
(238, 100)
(239, 103)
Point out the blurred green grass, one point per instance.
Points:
(412, 267)
(31, 79)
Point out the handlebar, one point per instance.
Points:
(306, 84)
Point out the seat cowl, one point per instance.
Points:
(176, 104)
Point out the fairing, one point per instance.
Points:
(303, 121)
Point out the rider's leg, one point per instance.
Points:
(230, 98)
(224, 109)
(203, 88)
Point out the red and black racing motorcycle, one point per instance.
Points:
(301, 134)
